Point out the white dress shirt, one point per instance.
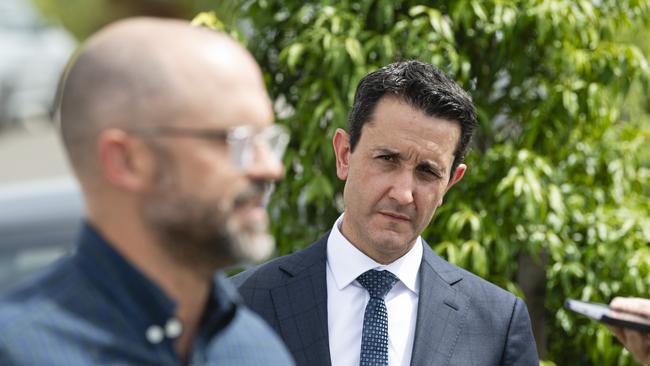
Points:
(347, 299)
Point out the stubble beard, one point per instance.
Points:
(203, 234)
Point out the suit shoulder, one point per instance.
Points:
(256, 284)
(492, 312)
(263, 275)
(271, 273)
(471, 285)
(486, 288)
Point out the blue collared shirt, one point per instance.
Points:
(95, 308)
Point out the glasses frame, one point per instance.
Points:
(241, 140)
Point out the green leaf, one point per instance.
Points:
(479, 258)
(417, 10)
(353, 47)
(295, 52)
(478, 10)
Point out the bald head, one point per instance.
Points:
(145, 72)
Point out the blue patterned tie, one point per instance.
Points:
(374, 339)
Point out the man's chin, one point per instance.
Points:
(391, 241)
(253, 248)
(249, 227)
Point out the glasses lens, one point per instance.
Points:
(244, 142)
(277, 139)
(238, 141)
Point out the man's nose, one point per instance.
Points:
(402, 188)
(265, 164)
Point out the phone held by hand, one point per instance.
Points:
(604, 314)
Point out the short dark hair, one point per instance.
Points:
(422, 86)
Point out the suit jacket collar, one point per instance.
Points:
(441, 311)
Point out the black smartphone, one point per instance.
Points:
(604, 314)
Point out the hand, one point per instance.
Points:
(636, 342)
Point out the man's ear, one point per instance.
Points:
(457, 175)
(341, 143)
(125, 161)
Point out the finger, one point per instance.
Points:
(631, 305)
(635, 343)
(617, 332)
(643, 356)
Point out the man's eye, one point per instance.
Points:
(429, 173)
(386, 157)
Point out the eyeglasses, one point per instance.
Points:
(242, 141)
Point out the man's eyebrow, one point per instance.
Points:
(385, 151)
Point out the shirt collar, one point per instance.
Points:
(347, 262)
(142, 301)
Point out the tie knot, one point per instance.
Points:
(378, 283)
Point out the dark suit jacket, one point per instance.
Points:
(461, 320)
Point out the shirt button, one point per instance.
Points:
(173, 328)
(155, 334)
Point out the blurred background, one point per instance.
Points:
(556, 203)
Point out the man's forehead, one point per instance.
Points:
(226, 99)
(436, 134)
(231, 111)
(434, 143)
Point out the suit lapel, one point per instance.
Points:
(301, 305)
(441, 311)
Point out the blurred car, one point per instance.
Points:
(39, 222)
(33, 53)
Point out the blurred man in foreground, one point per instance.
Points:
(169, 130)
(636, 342)
(371, 291)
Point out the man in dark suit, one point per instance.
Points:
(371, 291)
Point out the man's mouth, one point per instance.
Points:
(395, 215)
(250, 202)
(256, 195)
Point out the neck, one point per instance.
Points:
(191, 295)
(188, 286)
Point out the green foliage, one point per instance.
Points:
(556, 168)
(84, 17)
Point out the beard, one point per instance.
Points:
(199, 232)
